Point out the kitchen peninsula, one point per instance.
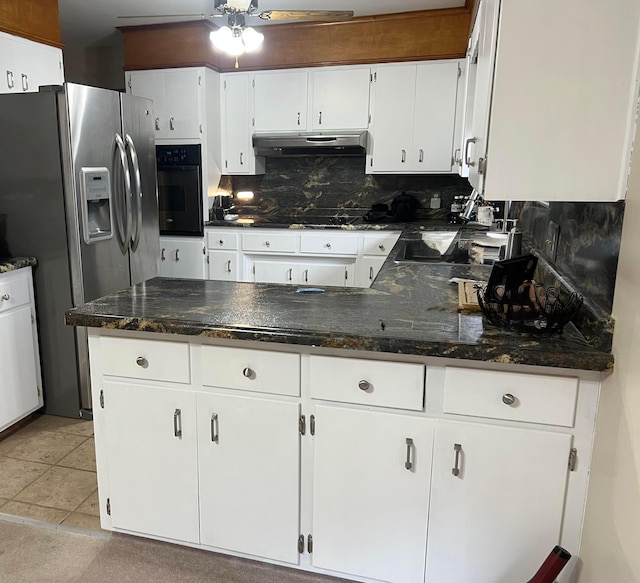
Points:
(360, 433)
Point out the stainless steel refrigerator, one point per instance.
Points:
(78, 186)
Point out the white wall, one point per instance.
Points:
(611, 539)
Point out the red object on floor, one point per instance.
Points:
(552, 566)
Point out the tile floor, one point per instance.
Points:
(48, 472)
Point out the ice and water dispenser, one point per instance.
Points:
(95, 189)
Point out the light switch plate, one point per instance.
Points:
(551, 242)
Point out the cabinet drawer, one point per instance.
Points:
(367, 382)
(328, 244)
(251, 370)
(14, 291)
(145, 359)
(269, 242)
(512, 396)
(219, 240)
(379, 244)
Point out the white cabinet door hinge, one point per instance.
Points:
(573, 459)
(109, 506)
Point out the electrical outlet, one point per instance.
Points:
(551, 242)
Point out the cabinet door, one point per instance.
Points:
(237, 143)
(435, 117)
(369, 509)
(182, 103)
(368, 268)
(150, 84)
(223, 265)
(19, 386)
(189, 259)
(151, 445)
(9, 75)
(341, 99)
(488, 529)
(38, 65)
(392, 131)
(273, 271)
(249, 459)
(280, 101)
(324, 273)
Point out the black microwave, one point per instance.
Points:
(180, 190)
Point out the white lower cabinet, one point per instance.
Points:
(249, 464)
(310, 272)
(223, 265)
(371, 482)
(152, 459)
(183, 257)
(497, 501)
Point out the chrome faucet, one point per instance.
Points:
(475, 200)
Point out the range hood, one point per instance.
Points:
(311, 144)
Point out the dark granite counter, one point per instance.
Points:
(16, 263)
(411, 309)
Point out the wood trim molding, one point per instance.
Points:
(37, 20)
(408, 36)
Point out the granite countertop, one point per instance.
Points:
(13, 263)
(410, 309)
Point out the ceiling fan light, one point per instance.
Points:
(252, 39)
(221, 37)
(228, 40)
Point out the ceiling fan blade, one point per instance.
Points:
(321, 15)
(173, 16)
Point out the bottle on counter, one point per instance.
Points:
(457, 205)
(552, 566)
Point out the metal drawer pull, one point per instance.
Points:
(404, 156)
(409, 464)
(381, 247)
(221, 242)
(177, 423)
(364, 385)
(157, 122)
(214, 428)
(328, 245)
(267, 244)
(172, 125)
(6, 297)
(163, 256)
(248, 373)
(177, 254)
(142, 361)
(298, 118)
(320, 118)
(306, 275)
(466, 151)
(229, 266)
(241, 160)
(371, 273)
(508, 399)
(290, 274)
(421, 155)
(456, 466)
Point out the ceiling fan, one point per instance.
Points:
(234, 8)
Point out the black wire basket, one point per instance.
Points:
(533, 308)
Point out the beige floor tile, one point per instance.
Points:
(80, 520)
(33, 511)
(91, 505)
(64, 425)
(62, 488)
(18, 474)
(45, 446)
(81, 458)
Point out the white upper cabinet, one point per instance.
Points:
(340, 99)
(329, 99)
(178, 100)
(26, 65)
(413, 118)
(237, 150)
(280, 101)
(562, 97)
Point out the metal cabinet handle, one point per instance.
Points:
(508, 399)
(456, 465)
(290, 274)
(409, 464)
(157, 123)
(25, 82)
(229, 266)
(241, 161)
(456, 156)
(10, 82)
(381, 247)
(172, 123)
(214, 428)
(248, 373)
(142, 361)
(267, 244)
(163, 256)
(370, 273)
(467, 143)
(306, 275)
(420, 155)
(298, 118)
(221, 242)
(6, 297)
(201, 129)
(404, 156)
(328, 245)
(177, 254)
(177, 423)
(364, 385)
(320, 118)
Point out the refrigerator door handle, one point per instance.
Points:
(123, 220)
(135, 239)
